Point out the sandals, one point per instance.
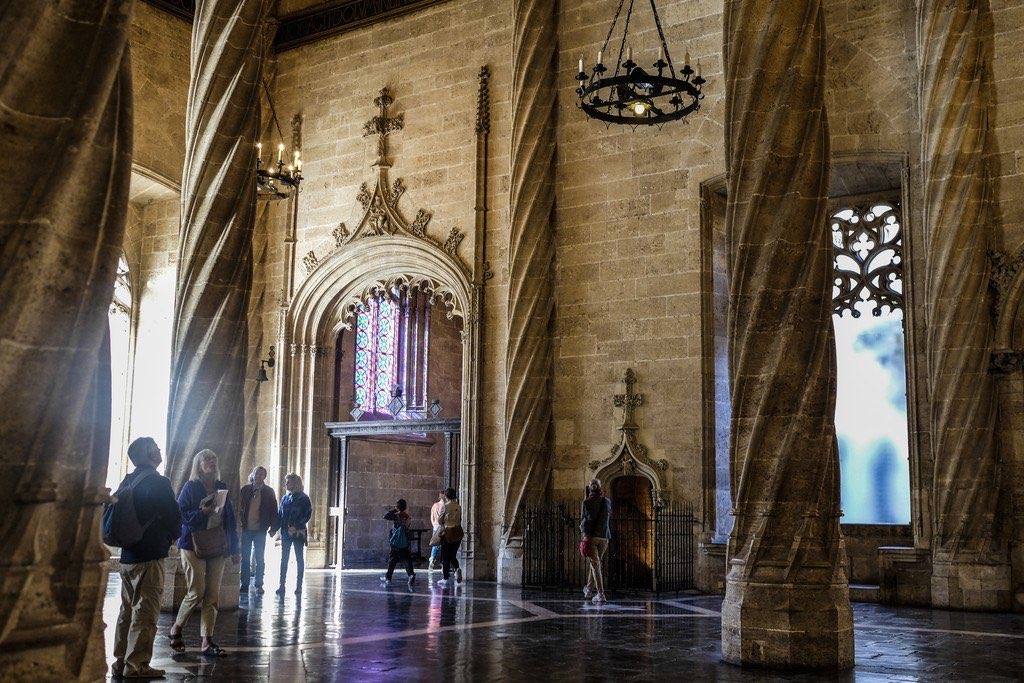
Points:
(177, 642)
(212, 650)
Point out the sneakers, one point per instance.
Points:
(385, 580)
(146, 672)
(458, 575)
(412, 581)
(599, 599)
(588, 592)
(442, 583)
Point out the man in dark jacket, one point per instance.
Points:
(142, 567)
(257, 518)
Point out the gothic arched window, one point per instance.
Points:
(871, 394)
(391, 353)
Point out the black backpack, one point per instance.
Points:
(121, 527)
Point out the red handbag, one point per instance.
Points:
(585, 547)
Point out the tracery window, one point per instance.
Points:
(391, 341)
(871, 396)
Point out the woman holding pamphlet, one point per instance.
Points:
(208, 537)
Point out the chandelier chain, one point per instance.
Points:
(661, 35)
(611, 28)
(625, 33)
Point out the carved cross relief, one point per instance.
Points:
(629, 401)
(629, 456)
(381, 214)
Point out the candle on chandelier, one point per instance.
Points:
(661, 53)
(599, 54)
(280, 152)
(259, 153)
(687, 58)
(698, 67)
(629, 54)
(581, 66)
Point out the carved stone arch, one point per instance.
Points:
(322, 306)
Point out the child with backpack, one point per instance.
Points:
(398, 539)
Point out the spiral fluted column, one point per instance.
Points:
(218, 211)
(969, 562)
(786, 601)
(528, 355)
(65, 128)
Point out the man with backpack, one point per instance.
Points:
(399, 541)
(143, 520)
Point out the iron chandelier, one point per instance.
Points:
(632, 95)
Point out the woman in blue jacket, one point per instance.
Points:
(294, 513)
(198, 503)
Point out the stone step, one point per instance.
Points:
(864, 592)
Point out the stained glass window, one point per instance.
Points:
(871, 395)
(391, 352)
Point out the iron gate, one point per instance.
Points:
(646, 553)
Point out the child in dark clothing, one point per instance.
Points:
(399, 541)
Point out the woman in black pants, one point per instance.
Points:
(451, 537)
(399, 542)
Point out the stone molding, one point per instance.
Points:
(528, 352)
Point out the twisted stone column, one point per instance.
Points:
(969, 561)
(218, 209)
(65, 128)
(786, 601)
(528, 355)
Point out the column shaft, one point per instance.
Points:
(786, 600)
(218, 209)
(65, 128)
(969, 559)
(528, 355)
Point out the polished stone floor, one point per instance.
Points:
(347, 627)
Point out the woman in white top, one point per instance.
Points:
(451, 537)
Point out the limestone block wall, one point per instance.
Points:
(160, 45)
(1008, 121)
(627, 253)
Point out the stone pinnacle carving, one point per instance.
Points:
(528, 355)
(218, 209)
(66, 131)
(958, 219)
(786, 601)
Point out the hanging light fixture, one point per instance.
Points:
(277, 179)
(632, 95)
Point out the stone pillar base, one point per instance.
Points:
(971, 584)
(510, 563)
(904, 576)
(711, 567)
(174, 584)
(793, 626)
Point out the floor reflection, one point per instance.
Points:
(347, 626)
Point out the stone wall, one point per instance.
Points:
(160, 45)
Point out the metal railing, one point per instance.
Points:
(653, 553)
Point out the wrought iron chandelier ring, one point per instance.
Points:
(631, 95)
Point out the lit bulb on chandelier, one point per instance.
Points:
(639, 107)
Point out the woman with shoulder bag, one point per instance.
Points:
(293, 515)
(451, 537)
(208, 537)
